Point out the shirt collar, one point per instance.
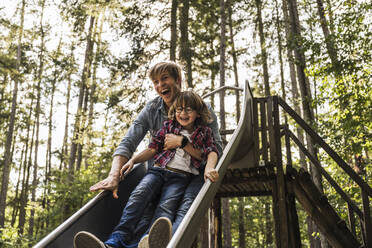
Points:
(162, 108)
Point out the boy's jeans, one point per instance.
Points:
(170, 185)
(191, 192)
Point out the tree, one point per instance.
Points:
(9, 138)
(263, 48)
(173, 24)
(185, 49)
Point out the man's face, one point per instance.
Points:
(167, 87)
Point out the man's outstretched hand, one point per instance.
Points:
(109, 183)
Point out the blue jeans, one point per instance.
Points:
(171, 187)
(191, 192)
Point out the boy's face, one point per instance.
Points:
(186, 116)
(167, 87)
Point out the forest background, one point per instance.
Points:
(73, 78)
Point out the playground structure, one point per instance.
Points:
(251, 165)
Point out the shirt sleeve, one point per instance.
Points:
(209, 145)
(157, 142)
(215, 130)
(135, 134)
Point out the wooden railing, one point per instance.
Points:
(268, 141)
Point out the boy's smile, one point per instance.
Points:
(186, 117)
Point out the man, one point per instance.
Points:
(166, 78)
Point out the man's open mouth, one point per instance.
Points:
(165, 91)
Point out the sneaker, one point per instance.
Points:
(87, 240)
(144, 242)
(160, 233)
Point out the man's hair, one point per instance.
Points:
(171, 67)
(192, 100)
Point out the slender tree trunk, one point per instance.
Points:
(65, 137)
(226, 223)
(242, 243)
(222, 64)
(9, 137)
(304, 88)
(280, 52)
(185, 49)
(26, 169)
(292, 73)
(76, 138)
(173, 39)
(263, 48)
(16, 197)
(35, 180)
(235, 60)
(268, 225)
(82, 92)
(48, 158)
(331, 20)
(331, 46)
(213, 75)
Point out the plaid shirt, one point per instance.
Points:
(201, 139)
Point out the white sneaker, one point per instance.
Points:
(160, 233)
(144, 242)
(87, 240)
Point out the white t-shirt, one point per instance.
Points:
(182, 160)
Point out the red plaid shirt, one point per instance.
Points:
(201, 139)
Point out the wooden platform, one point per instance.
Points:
(256, 181)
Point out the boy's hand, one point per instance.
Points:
(109, 183)
(172, 141)
(126, 168)
(211, 173)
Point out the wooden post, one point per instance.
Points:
(255, 133)
(295, 237)
(276, 213)
(219, 222)
(264, 130)
(366, 220)
(351, 219)
(276, 159)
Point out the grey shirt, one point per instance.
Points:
(151, 119)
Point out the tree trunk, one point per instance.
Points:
(26, 169)
(241, 223)
(222, 64)
(304, 86)
(331, 47)
(35, 180)
(9, 137)
(82, 92)
(235, 60)
(280, 52)
(48, 158)
(226, 223)
(64, 152)
(185, 49)
(268, 225)
(76, 138)
(173, 26)
(263, 47)
(16, 197)
(292, 73)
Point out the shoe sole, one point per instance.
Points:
(87, 240)
(160, 233)
(144, 242)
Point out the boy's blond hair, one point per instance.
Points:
(171, 67)
(192, 100)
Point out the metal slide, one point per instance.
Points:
(102, 213)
